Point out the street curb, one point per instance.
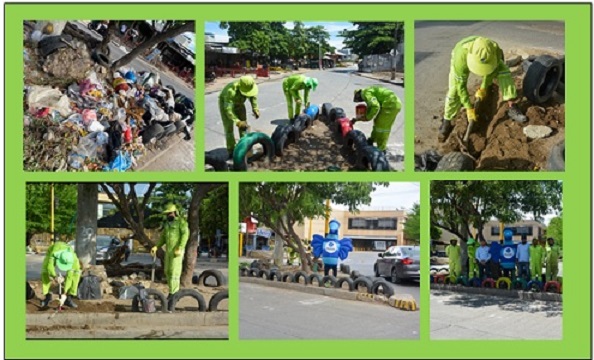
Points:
(381, 80)
(514, 294)
(208, 333)
(188, 319)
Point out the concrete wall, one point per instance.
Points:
(383, 62)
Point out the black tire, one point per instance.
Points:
(326, 108)
(50, 44)
(365, 281)
(300, 274)
(328, 278)
(556, 160)
(155, 294)
(394, 276)
(355, 274)
(387, 289)
(282, 136)
(217, 163)
(354, 140)
(179, 126)
(301, 122)
(317, 277)
(216, 299)
(264, 274)
(195, 279)
(100, 58)
(376, 272)
(30, 292)
(561, 85)
(341, 280)
(275, 274)
(253, 272)
(287, 277)
(169, 129)
(220, 278)
(240, 159)
(542, 79)
(244, 271)
(371, 158)
(153, 131)
(336, 113)
(188, 293)
(346, 269)
(455, 161)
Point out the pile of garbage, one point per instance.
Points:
(97, 120)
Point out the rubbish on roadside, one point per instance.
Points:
(41, 97)
(121, 163)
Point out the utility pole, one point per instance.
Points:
(327, 222)
(320, 53)
(52, 212)
(86, 223)
(395, 46)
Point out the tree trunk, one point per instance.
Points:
(278, 251)
(126, 59)
(393, 77)
(86, 223)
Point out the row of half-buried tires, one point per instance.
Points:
(162, 303)
(501, 283)
(354, 282)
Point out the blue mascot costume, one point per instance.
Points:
(508, 254)
(330, 248)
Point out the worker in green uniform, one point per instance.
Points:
(536, 259)
(61, 255)
(174, 236)
(472, 266)
(291, 87)
(232, 108)
(453, 252)
(384, 106)
(553, 253)
(482, 57)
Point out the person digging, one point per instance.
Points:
(174, 236)
(291, 88)
(232, 108)
(61, 255)
(482, 57)
(382, 107)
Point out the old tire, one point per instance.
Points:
(275, 274)
(240, 158)
(355, 274)
(219, 277)
(169, 129)
(354, 140)
(326, 108)
(371, 158)
(552, 286)
(317, 277)
(341, 280)
(336, 113)
(264, 274)
(455, 161)
(30, 292)
(503, 280)
(216, 299)
(490, 282)
(386, 288)
(462, 280)
(556, 159)
(100, 58)
(282, 136)
(50, 44)
(346, 269)
(534, 285)
(153, 131)
(243, 271)
(365, 281)
(519, 284)
(475, 282)
(217, 163)
(328, 279)
(541, 79)
(561, 85)
(287, 277)
(188, 293)
(155, 294)
(253, 272)
(301, 122)
(301, 274)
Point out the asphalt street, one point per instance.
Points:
(336, 86)
(480, 317)
(271, 313)
(434, 41)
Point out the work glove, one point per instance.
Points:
(60, 279)
(298, 102)
(256, 114)
(153, 251)
(242, 125)
(177, 252)
(471, 114)
(480, 94)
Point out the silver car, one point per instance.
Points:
(399, 263)
(105, 248)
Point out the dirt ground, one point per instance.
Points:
(497, 142)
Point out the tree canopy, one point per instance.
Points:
(555, 230)
(373, 37)
(38, 208)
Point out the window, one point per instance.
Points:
(517, 230)
(373, 223)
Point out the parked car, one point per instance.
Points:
(399, 263)
(106, 246)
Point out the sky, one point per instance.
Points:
(396, 196)
(332, 27)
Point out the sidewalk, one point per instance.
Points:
(220, 83)
(384, 77)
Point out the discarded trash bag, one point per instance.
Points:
(47, 97)
(128, 292)
(89, 288)
(87, 146)
(122, 162)
(96, 126)
(427, 161)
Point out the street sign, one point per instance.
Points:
(242, 227)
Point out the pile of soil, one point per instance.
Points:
(497, 142)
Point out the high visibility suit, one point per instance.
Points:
(386, 105)
(537, 257)
(472, 266)
(233, 110)
(48, 269)
(453, 253)
(291, 87)
(552, 259)
(457, 95)
(174, 236)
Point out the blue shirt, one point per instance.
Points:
(523, 252)
(482, 253)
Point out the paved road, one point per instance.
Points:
(363, 261)
(270, 313)
(472, 316)
(335, 86)
(434, 42)
(34, 262)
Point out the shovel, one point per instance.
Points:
(471, 123)
(62, 296)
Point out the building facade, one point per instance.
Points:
(491, 231)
